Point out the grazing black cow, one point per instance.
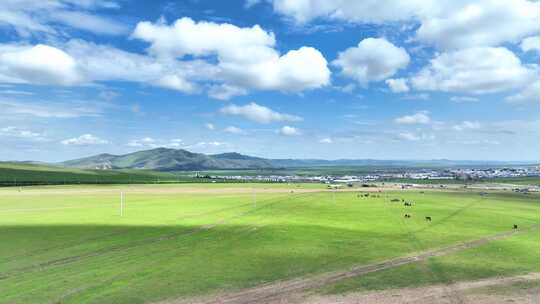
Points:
(407, 204)
(428, 218)
(407, 216)
(515, 226)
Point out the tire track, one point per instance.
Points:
(237, 237)
(280, 290)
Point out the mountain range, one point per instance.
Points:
(165, 159)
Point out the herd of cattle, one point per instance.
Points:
(407, 204)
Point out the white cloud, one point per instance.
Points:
(88, 22)
(175, 143)
(289, 131)
(210, 126)
(225, 92)
(531, 44)
(207, 144)
(258, 113)
(84, 140)
(80, 62)
(30, 18)
(175, 82)
(146, 142)
(374, 59)
(233, 130)
(467, 125)
(460, 99)
(105, 63)
(39, 64)
(410, 136)
(398, 85)
(151, 143)
(531, 93)
(446, 24)
(474, 70)
(263, 69)
(20, 133)
(367, 11)
(16, 92)
(216, 59)
(326, 140)
(49, 110)
(480, 23)
(421, 117)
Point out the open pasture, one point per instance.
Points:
(69, 244)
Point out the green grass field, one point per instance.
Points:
(68, 244)
(19, 174)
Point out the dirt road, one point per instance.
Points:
(282, 291)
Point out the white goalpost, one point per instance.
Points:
(122, 203)
(254, 196)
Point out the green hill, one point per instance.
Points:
(163, 159)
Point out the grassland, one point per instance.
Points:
(68, 244)
(20, 174)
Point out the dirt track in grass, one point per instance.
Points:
(292, 291)
(516, 289)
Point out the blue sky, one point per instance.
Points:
(380, 79)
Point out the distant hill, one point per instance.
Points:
(164, 159)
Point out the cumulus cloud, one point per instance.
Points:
(106, 63)
(475, 70)
(398, 85)
(446, 24)
(210, 126)
(374, 59)
(473, 23)
(39, 64)
(370, 11)
(185, 56)
(78, 62)
(84, 140)
(421, 117)
(264, 68)
(258, 113)
(289, 131)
